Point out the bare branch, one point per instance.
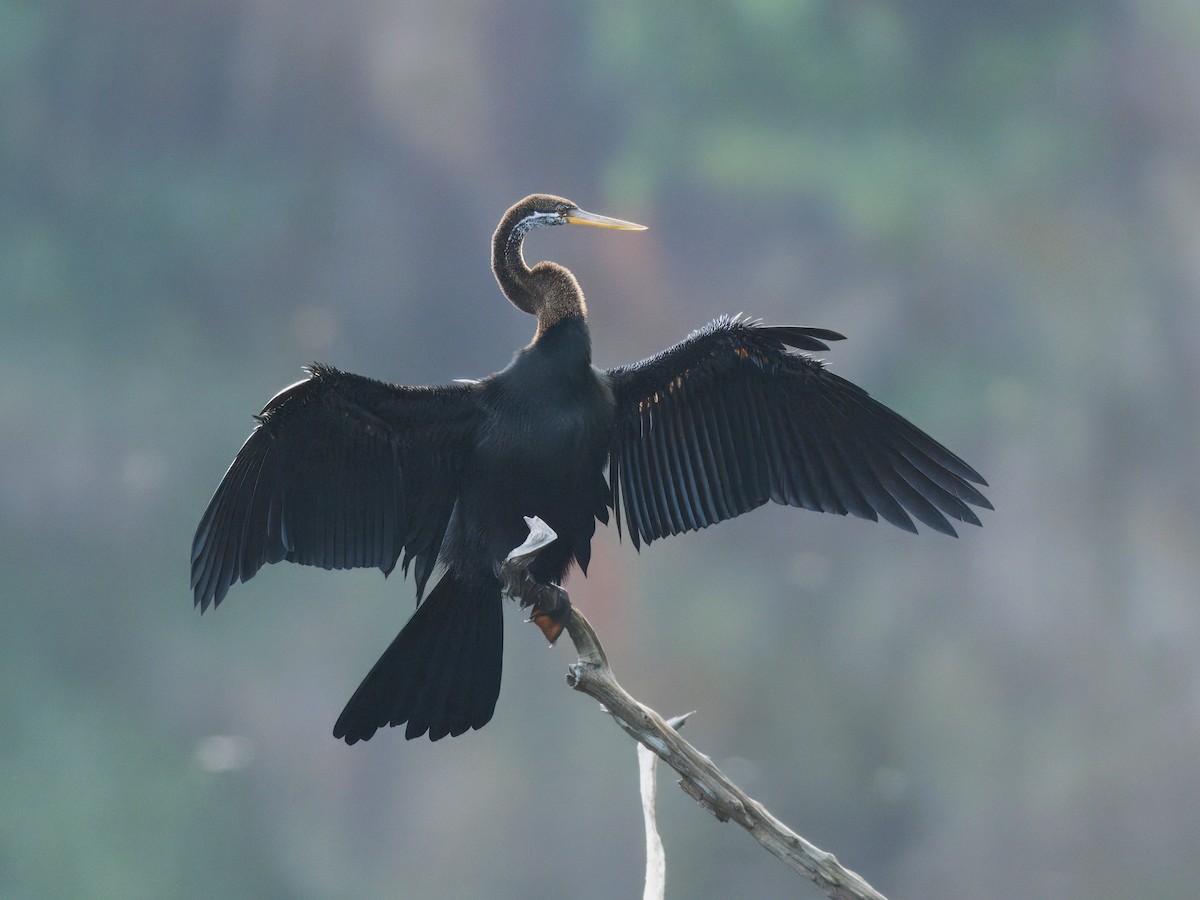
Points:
(702, 780)
(656, 859)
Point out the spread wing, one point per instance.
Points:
(341, 472)
(731, 418)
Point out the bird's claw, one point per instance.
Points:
(550, 605)
(513, 579)
(550, 614)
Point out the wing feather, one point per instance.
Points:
(341, 472)
(734, 416)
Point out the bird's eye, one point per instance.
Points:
(562, 209)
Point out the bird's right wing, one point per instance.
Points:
(341, 472)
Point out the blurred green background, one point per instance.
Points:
(999, 204)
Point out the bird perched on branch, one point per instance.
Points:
(344, 471)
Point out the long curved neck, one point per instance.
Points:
(508, 265)
(548, 290)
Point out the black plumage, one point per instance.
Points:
(344, 472)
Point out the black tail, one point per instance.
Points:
(442, 672)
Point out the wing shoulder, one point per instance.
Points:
(724, 345)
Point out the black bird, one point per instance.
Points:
(343, 471)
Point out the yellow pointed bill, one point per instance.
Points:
(580, 217)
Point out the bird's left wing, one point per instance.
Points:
(341, 472)
(731, 418)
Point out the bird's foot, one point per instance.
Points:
(515, 580)
(550, 605)
(550, 610)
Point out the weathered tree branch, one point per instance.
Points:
(656, 859)
(699, 777)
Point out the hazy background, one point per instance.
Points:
(999, 204)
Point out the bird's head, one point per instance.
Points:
(548, 290)
(537, 210)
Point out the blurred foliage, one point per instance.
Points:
(844, 102)
(999, 204)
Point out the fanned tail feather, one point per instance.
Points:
(441, 674)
